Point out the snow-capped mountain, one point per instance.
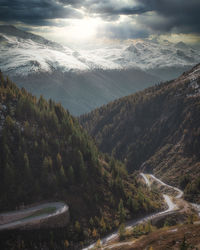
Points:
(145, 55)
(22, 53)
(87, 78)
(33, 53)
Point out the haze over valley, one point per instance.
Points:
(83, 79)
(99, 124)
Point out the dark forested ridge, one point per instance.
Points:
(157, 129)
(47, 156)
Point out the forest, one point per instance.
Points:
(47, 156)
(156, 130)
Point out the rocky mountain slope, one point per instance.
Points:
(47, 156)
(156, 130)
(34, 53)
(94, 76)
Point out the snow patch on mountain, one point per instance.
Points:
(22, 53)
(23, 56)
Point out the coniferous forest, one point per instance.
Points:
(47, 156)
(99, 124)
(156, 130)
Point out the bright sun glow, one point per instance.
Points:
(84, 29)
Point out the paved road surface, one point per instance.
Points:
(180, 192)
(19, 217)
(171, 208)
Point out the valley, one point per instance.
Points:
(57, 161)
(71, 169)
(84, 79)
(155, 131)
(175, 206)
(99, 124)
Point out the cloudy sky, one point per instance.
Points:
(75, 21)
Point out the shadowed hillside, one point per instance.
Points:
(157, 130)
(47, 156)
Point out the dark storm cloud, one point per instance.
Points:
(168, 15)
(38, 11)
(107, 7)
(151, 16)
(35, 12)
(114, 10)
(77, 3)
(181, 16)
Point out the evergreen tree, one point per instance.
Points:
(122, 231)
(70, 174)
(59, 160)
(121, 211)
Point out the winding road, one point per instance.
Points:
(180, 192)
(171, 208)
(29, 216)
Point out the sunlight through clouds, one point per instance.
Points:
(83, 29)
(80, 21)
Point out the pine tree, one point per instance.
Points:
(121, 211)
(27, 170)
(77, 227)
(59, 160)
(62, 174)
(122, 231)
(103, 225)
(81, 166)
(70, 174)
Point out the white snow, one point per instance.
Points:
(23, 56)
(173, 230)
(143, 54)
(193, 83)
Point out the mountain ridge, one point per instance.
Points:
(47, 156)
(94, 76)
(144, 54)
(155, 130)
(13, 31)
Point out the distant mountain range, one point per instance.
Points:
(85, 79)
(156, 130)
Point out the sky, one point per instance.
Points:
(89, 21)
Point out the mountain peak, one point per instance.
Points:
(11, 30)
(145, 54)
(181, 45)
